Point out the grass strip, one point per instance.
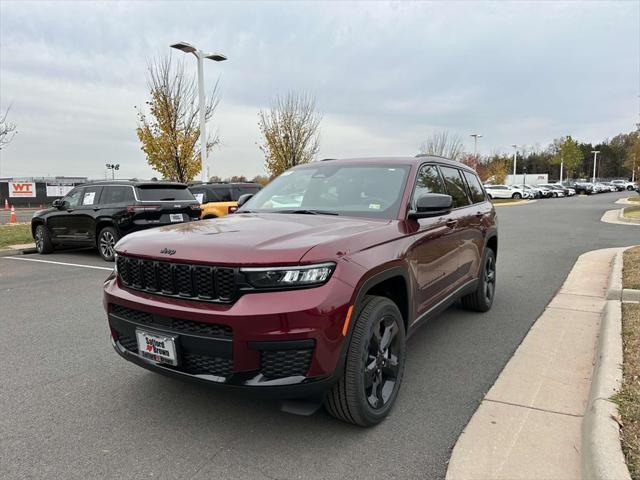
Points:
(15, 234)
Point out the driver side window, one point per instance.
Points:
(428, 181)
(73, 199)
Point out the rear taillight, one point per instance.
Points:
(195, 207)
(232, 209)
(142, 208)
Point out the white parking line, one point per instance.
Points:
(59, 263)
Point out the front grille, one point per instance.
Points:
(197, 364)
(177, 325)
(285, 363)
(128, 342)
(131, 314)
(197, 282)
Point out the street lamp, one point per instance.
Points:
(200, 55)
(475, 136)
(595, 160)
(113, 168)
(515, 156)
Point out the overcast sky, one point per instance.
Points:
(385, 75)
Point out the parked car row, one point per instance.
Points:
(98, 214)
(517, 192)
(587, 188)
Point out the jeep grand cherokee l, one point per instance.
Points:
(313, 286)
(97, 214)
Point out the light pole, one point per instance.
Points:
(595, 161)
(113, 168)
(515, 157)
(200, 55)
(561, 167)
(475, 136)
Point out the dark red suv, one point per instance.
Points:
(313, 286)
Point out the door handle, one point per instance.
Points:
(451, 223)
(479, 214)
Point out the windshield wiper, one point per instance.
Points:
(303, 211)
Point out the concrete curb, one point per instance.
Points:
(17, 251)
(601, 454)
(624, 201)
(616, 216)
(514, 204)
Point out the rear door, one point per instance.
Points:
(461, 220)
(480, 218)
(86, 212)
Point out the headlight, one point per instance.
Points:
(288, 277)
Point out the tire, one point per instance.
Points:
(367, 366)
(107, 239)
(555, 194)
(516, 196)
(629, 188)
(482, 299)
(43, 240)
(208, 217)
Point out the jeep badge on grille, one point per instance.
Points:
(168, 251)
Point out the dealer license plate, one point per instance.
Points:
(156, 347)
(175, 217)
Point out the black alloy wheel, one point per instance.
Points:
(107, 239)
(481, 299)
(374, 365)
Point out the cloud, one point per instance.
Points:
(385, 74)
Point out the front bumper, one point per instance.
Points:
(286, 343)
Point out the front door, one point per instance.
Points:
(61, 223)
(432, 256)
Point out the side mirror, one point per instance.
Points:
(57, 203)
(432, 205)
(244, 199)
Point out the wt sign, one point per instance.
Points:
(22, 189)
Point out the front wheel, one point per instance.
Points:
(43, 240)
(374, 365)
(482, 299)
(107, 239)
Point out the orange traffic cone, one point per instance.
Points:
(6, 204)
(12, 219)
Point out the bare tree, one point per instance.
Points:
(443, 144)
(7, 129)
(170, 135)
(290, 131)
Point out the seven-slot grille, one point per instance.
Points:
(198, 282)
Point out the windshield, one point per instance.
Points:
(358, 190)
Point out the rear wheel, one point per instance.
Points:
(43, 240)
(107, 239)
(516, 196)
(482, 299)
(374, 365)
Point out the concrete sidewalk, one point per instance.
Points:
(529, 424)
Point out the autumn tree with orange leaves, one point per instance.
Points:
(170, 131)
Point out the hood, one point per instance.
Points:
(250, 239)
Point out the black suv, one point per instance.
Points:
(97, 214)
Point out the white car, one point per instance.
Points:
(623, 183)
(506, 191)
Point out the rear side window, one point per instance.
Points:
(455, 186)
(428, 181)
(219, 193)
(244, 189)
(163, 193)
(475, 188)
(117, 194)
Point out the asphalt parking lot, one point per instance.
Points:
(71, 408)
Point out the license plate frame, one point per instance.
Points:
(157, 346)
(176, 217)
